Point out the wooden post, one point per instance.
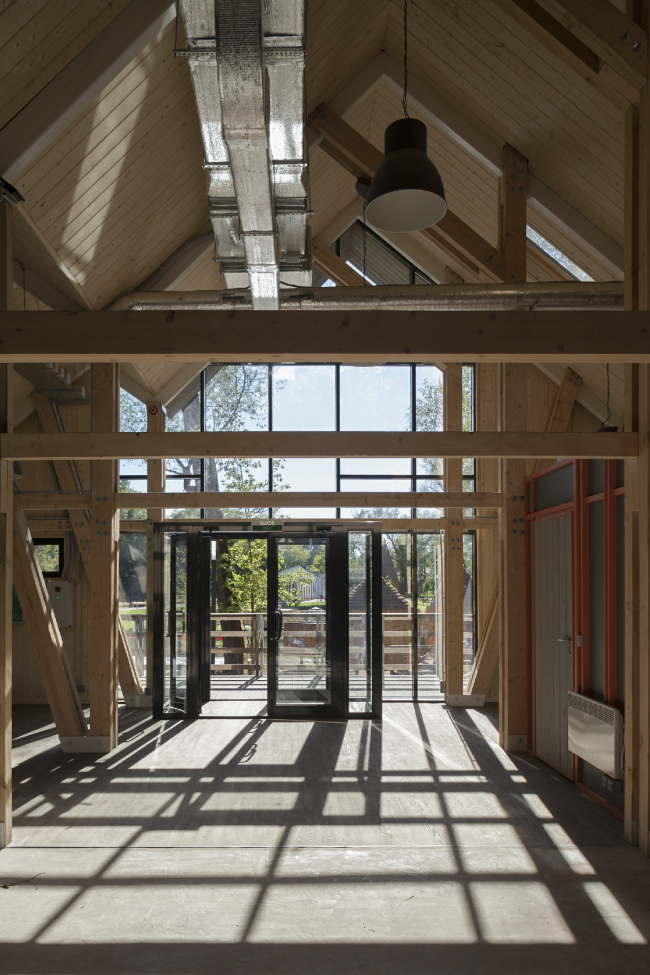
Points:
(512, 662)
(104, 606)
(488, 553)
(155, 468)
(155, 482)
(453, 593)
(6, 534)
(632, 528)
(513, 218)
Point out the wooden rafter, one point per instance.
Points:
(613, 36)
(547, 30)
(332, 265)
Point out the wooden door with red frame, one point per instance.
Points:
(551, 633)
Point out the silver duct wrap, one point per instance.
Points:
(247, 63)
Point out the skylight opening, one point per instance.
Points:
(556, 255)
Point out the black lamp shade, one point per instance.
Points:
(406, 192)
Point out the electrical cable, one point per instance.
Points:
(404, 105)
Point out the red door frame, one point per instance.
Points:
(580, 590)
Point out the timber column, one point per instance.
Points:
(104, 592)
(454, 590)
(6, 534)
(155, 482)
(512, 661)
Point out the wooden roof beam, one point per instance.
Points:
(332, 265)
(577, 55)
(614, 37)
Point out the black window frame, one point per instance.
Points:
(60, 543)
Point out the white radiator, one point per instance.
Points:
(596, 733)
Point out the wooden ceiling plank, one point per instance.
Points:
(80, 192)
(77, 85)
(496, 83)
(53, 269)
(54, 35)
(76, 160)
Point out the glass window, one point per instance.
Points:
(556, 255)
(430, 619)
(429, 398)
(304, 397)
(133, 414)
(49, 555)
(397, 617)
(133, 597)
(375, 397)
(305, 474)
(377, 466)
(469, 604)
(236, 397)
(133, 419)
(374, 484)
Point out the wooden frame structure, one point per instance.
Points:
(512, 440)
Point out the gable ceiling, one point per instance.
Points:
(121, 188)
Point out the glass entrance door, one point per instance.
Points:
(265, 623)
(174, 670)
(307, 630)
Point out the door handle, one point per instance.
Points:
(567, 640)
(279, 618)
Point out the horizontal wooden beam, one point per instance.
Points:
(308, 499)
(326, 336)
(51, 501)
(387, 524)
(113, 446)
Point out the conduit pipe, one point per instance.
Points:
(541, 296)
(246, 61)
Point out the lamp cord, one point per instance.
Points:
(365, 235)
(404, 105)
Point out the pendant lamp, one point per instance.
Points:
(406, 192)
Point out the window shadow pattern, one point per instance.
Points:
(249, 845)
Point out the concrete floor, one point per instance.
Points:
(247, 846)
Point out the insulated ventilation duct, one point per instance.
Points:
(247, 62)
